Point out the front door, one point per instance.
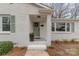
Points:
(36, 29)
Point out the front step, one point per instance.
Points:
(37, 42)
(40, 47)
(37, 45)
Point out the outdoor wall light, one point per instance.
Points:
(42, 25)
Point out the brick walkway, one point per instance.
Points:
(34, 52)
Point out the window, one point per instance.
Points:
(61, 27)
(5, 24)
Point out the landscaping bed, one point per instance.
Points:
(7, 49)
(17, 51)
(51, 50)
(61, 48)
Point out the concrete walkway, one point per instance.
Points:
(34, 52)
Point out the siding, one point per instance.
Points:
(21, 12)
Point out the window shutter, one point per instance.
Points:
(73, 28)
(12, 24)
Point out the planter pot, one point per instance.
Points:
(32, 37)
(51, 51)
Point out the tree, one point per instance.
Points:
(65, 10)
(75, 11)
(60, 10)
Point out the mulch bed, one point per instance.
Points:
(63, 48)
(17, 52)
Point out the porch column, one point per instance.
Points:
(28, 29)
(48, 33)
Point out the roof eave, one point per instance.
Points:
(42, 5)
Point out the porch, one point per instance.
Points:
(40, 27)
(40, 31)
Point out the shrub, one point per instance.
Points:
(5, 47)
(50, 47)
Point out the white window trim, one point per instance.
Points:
(4, 32)
(65, 28)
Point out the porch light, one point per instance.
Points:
(42, 25)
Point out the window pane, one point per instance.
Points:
(53, 27)
(60, 26)
(68, 27)
(5, 24)
(36, 24)
(6, 27)
(5, 19)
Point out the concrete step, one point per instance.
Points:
(42, 45)
(37, 42)
(39, 47)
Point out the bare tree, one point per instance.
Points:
(75, 11)
(65, 10)
(60, 10)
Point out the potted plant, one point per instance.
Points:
(51, 50)
(31, 36)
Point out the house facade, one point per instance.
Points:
(18, 21)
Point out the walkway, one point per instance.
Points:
(33, 52)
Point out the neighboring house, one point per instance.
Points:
(17, 21)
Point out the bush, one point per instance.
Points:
(50, 46)
(5, 47)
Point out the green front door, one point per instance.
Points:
(36, 28)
